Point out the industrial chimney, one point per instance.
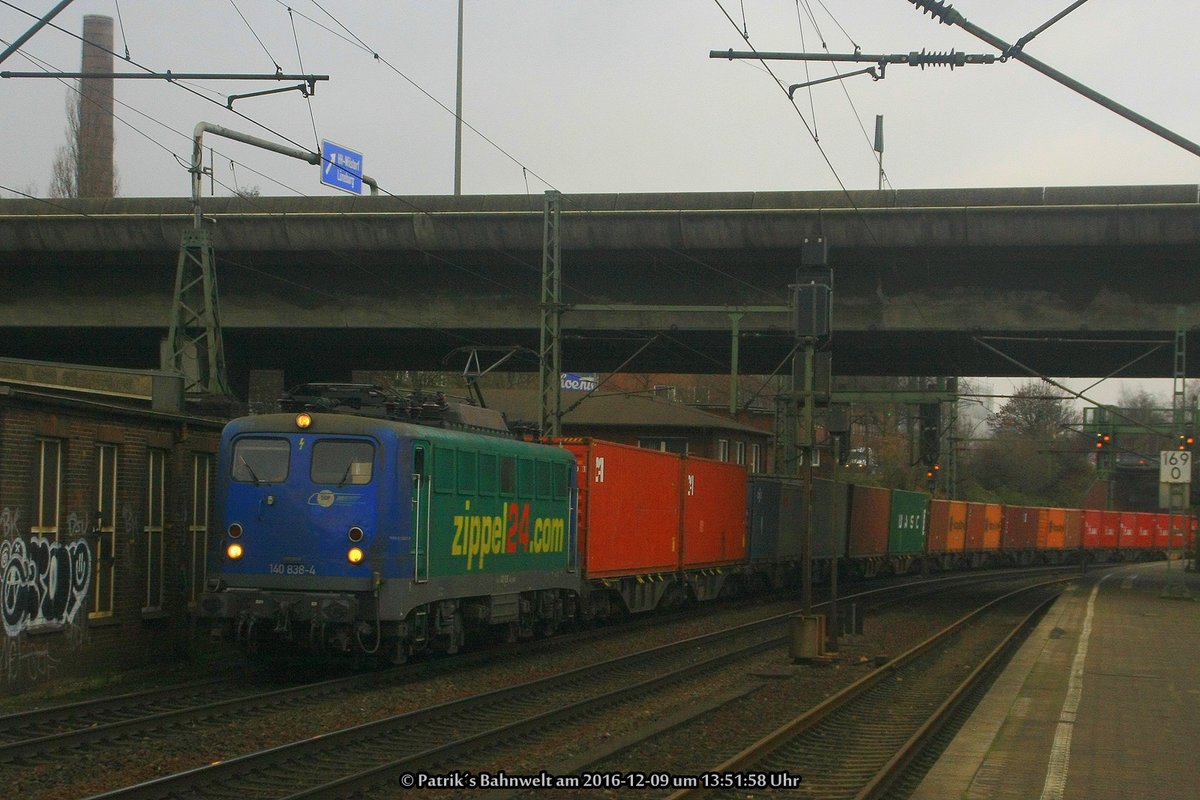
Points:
(95, 142)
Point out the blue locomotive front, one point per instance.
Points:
(308, 533)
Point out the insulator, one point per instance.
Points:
(942, 12)
(924, 59)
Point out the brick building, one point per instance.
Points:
(105, 509)
(652, 422)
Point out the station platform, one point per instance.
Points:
(1101, 701)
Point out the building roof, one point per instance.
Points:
(615, 410)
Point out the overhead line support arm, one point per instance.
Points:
(946, 14)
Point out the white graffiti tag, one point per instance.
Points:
(10, 519)
(42, 582)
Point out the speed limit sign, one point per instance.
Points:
(1174, 466)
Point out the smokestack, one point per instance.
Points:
(96, 110)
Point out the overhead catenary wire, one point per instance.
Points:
(254, 33)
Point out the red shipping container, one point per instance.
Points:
(1163, 526)
(1162, 531)
(1052, 528)
(714, 512)
(870, 511)
(1110, 530)
(629, 508)
(1128, 530)
(947, 526)
(1093, 529)
(984, 521)
(1146, 525)
(1020, 528)
(1073, 534)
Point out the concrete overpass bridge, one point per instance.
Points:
(1071, 281)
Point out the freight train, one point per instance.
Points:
(398, 529)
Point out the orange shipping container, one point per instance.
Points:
(947, 526)
(629, 508)
(983, 526)
(714, 512)
(1052, 528)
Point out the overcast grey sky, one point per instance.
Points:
(621, 95)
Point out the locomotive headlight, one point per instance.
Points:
(235, 530)
(303, 420)
(355, 555)
(355, 534)
(234, 551)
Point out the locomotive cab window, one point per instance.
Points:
(342, 462)
(260, 460)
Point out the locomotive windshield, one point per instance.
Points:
(342, 462)
(260, 460)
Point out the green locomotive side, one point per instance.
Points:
(491, 507)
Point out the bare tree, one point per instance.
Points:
(1037, 457)
(64, 173)
(1037, 410)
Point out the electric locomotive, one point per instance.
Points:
(370, 532)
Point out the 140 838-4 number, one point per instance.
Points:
(292, 569)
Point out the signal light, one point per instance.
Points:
(303, 420)
(1103, 440)
(1186, 442)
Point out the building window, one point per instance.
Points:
(198, 529)
(740, 451)
(155, 500)
(664, 392)
(672, 444)
(106, 530)
(49, 488)
(722, 449)
(755, 458)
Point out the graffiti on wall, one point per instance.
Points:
(10, 523)
(42, 582)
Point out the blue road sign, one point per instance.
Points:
(341, 168)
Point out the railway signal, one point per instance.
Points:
(1186, 442)
(1104, 441)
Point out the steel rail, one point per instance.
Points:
(896, 766)
(842, 699)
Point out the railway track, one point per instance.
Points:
(378, 753)
(844, 747)
(42, 734)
